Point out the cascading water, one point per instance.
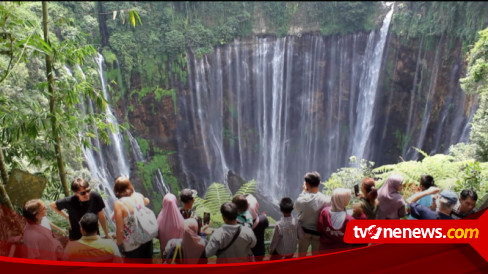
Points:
(105, 162)
(368, 85)
(272, 109)
(138, 156)
(259, 125)
(115, 137)
(136, 149)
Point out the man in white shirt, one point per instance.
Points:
(309, 204)
(231, 242)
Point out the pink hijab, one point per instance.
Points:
(192, 244)
(170, 221)
(253, 209)
(389, 198)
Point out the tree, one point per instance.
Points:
(476, 82)
(30, 109)
(16, 33)
(52, 105)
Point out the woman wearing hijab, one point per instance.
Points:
(391, 202)
(170, 221)
(192, 245)
(259, 225)
(333, 220)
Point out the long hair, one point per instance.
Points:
(123, 187)
(369, 189)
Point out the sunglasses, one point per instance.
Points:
(84, 192)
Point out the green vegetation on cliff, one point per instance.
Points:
(152, 59)
(460, 20)
(476, 82)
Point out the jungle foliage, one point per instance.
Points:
(30, 134)
(151, 60)
(476, 82)
(458, 19)
(453, 171)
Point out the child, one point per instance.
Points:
(244, 217)
(285, 235)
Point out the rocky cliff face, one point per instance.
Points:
(272, 108)
(420, 101)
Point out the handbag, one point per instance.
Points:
(177, 255)
(146, 224)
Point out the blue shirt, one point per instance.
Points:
(424, 201)
(423, 213)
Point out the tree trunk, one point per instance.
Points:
(52, 106)
(103, 25)
(3, 192)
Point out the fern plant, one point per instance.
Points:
(449, 172)
(216, 195)
(247, 188)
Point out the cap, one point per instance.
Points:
(450, 196)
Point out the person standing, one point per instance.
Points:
(187, 198)
(368, 204)
(128, 201)
(426, 181)
(333, 221)
(466, 204)
(231, 242)
(445, 203)
(259, 224)
(309, 204)
(391, 202)
(170, 221)
(84, 200)
(285, 235)
(244, 217)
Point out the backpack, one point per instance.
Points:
(146, 224)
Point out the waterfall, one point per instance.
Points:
(368, 86)
(115, 137)
(157, 177)
(136, 149)
(429, 100)
(105, 162)
(160, 184)
(413, 93)
(272, 109)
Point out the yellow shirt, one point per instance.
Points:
(93, 249)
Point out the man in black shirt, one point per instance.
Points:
(83, 201)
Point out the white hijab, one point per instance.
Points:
(340, 199)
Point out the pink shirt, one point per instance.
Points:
(40, 243)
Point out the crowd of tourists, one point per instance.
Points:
(186, 237)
